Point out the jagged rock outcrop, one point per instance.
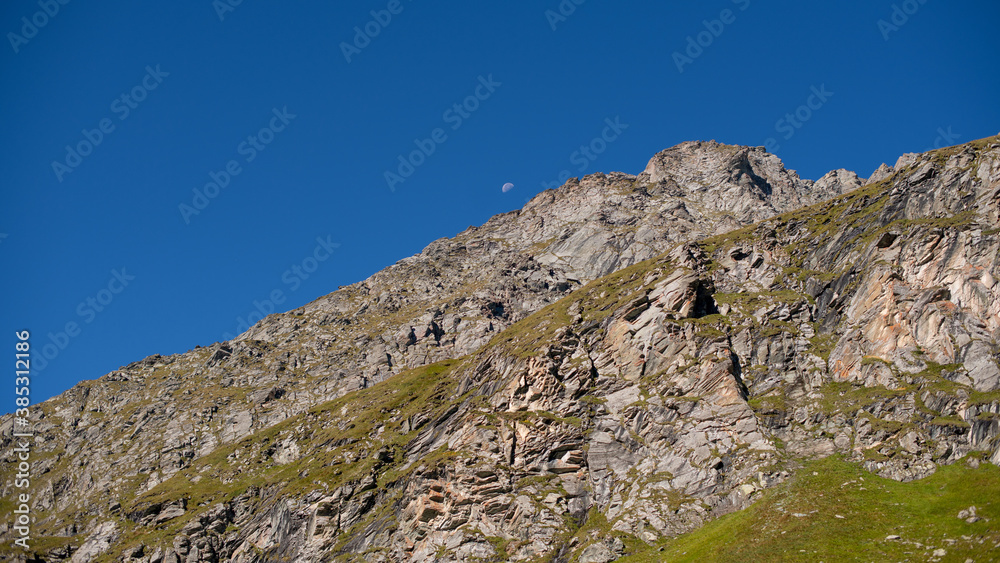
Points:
(565, 376)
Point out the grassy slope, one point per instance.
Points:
(923, 513)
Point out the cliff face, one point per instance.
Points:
(609, 366)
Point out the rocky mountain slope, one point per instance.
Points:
(617, 363)
(162, 413)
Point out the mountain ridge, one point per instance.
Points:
(557, 250)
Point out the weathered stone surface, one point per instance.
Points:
(98, 542)
(659, 397)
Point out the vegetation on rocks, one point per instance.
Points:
(601, 376)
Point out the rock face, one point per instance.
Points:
(612, 361)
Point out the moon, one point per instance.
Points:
(507, 187)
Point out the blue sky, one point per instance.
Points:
(117, 112)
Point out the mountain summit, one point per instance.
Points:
(623, 361)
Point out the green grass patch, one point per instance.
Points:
(847, 397)
(870, 509)
(823, 344)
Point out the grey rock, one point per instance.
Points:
(884, 171)
(597, 553)
(97, 543)
(657, 396)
